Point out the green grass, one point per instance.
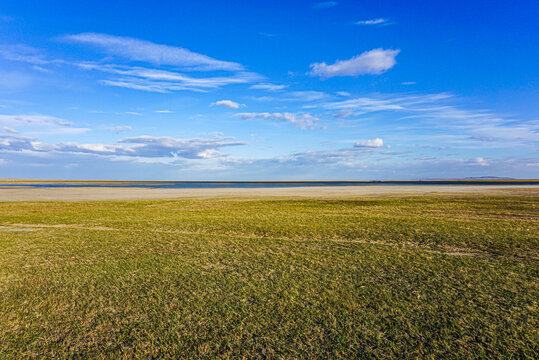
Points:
(423, 277)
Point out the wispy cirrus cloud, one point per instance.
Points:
(306, 95)
(373, 62)
(227, 103)
(374, 22)
(482, 138)
(295, 96)
(441, 111)
(164, 73)
(119, 129)
(33, 120)
(268, 87)
(9, 130)
(157, 54)
(303, 121)
(23, 53)
(187, 83)
(388, 102)
(164, 81)
(343, 113)
(134, 113)
(40, 124)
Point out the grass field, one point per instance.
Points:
(386, 277)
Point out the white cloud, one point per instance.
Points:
(269, 87)
(23, 53)
(149, 146)
(142, 85)
(158, 78)
(142, 50)
(163, 81)
(393, 102)
(140, 146)
(15, 143)
(351, 157)
(374, 143)
(439, 111)
(33, 120)
(307, 95)
(324, 4)
(376, 61)
(379, 21)
(301, 96)
(149, 79)
(365, 104)
(40, 69)
(164, 111)
(482, 138)
(408, 83)
(303, 121)
(9, 130)
(481, 162)
(119, 129)
(343, 113)
(228, 103)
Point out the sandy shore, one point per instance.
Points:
(76, 194)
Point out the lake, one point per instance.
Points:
(255, 184)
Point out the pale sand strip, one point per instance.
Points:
(76, 194)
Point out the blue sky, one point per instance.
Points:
(269, 90)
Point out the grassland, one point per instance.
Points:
(379, 277)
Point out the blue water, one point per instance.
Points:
(246, 184)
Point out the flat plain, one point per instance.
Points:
(22, 193)
(419, 275)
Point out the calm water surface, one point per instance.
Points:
(212, 185)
